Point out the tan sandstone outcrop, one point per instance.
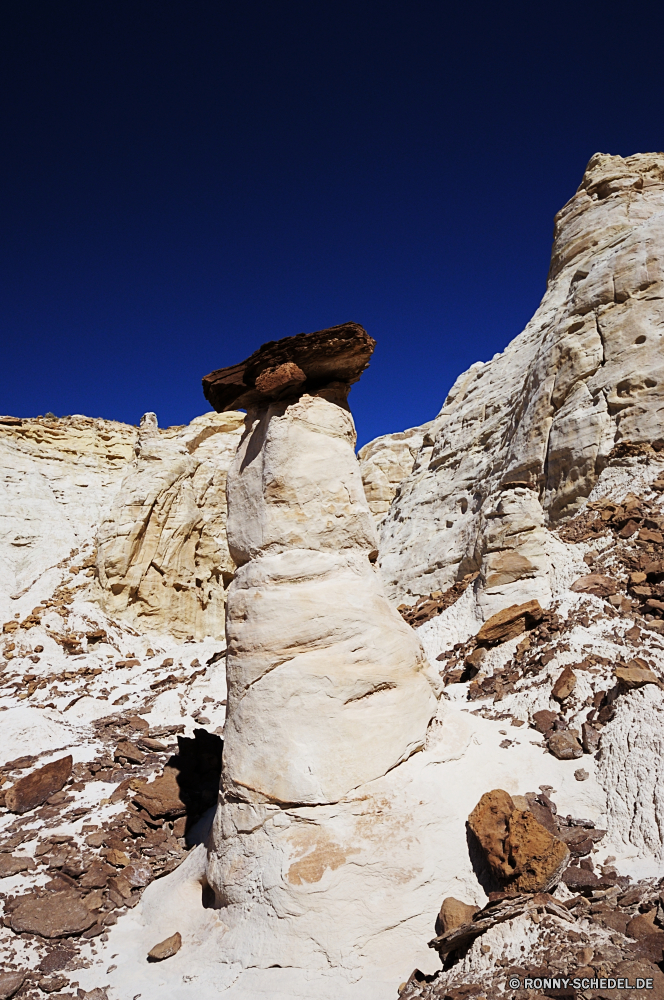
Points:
(328, 688)
(522, 439)
(151, 501)
(522, 854)
(162, 556)
(384, 464)
(57, 477)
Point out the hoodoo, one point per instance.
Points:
(328, 688)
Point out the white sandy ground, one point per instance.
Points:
(438, 787)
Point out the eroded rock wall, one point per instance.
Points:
(162, 556)
(58, 475)
(584, 380)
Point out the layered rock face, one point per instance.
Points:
(385, 462)
(522, 439)
(162, 556)
(327, 686)
(143, 508)
(58, 476)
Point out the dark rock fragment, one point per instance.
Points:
(54, 915)
(35, 788)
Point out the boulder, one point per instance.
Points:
(544, 720)
(522, 854)
(13, 865)
(289, 367)
(564, 744)
(564, 685)
(161, 798)
(454, 913)
(165, 949)
(10, 983)
(57, 914)
(33, 790)
(589, 737)
(129, 751)
(634, 675)
(595, 583)
(510, 622)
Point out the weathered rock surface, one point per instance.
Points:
(455, 913)
(565, 745)
(57, 477)
(162, 557)
(57, 914)
(522, 854)
(634, 676)
(328, 360)
(595, 583)
(532, 429)
(10, 983)
(143, 510)
(565, 684)
(510, 622)
(12, 865)
(166, 949)
(328, 688)
(29, 792)
(385, 462)
(326, 683)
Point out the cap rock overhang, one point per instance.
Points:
(331, 359)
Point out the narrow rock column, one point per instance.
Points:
(327, 686)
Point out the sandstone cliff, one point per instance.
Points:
(144, 507)
(522, 439)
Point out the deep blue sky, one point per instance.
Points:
(182, 181)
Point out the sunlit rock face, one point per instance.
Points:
(58, 476)
(582, 384)
(328, 689)
(326, 682)
(162, 557)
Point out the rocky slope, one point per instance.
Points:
(540, 484)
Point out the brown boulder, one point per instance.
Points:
(564, 685)
(129, 751)
(138, 873)
(521, 852)
(307, 362)
(643, 925)
(165, 949)
(564, 744)
(635, 676)
(12, 865)
(58, 914)
(454, 913)
(161, 797)
(10, 983)
(589, 737)
(510, 622)
(97, 875)
(33, 790)
(595, 583)
(544, 720)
